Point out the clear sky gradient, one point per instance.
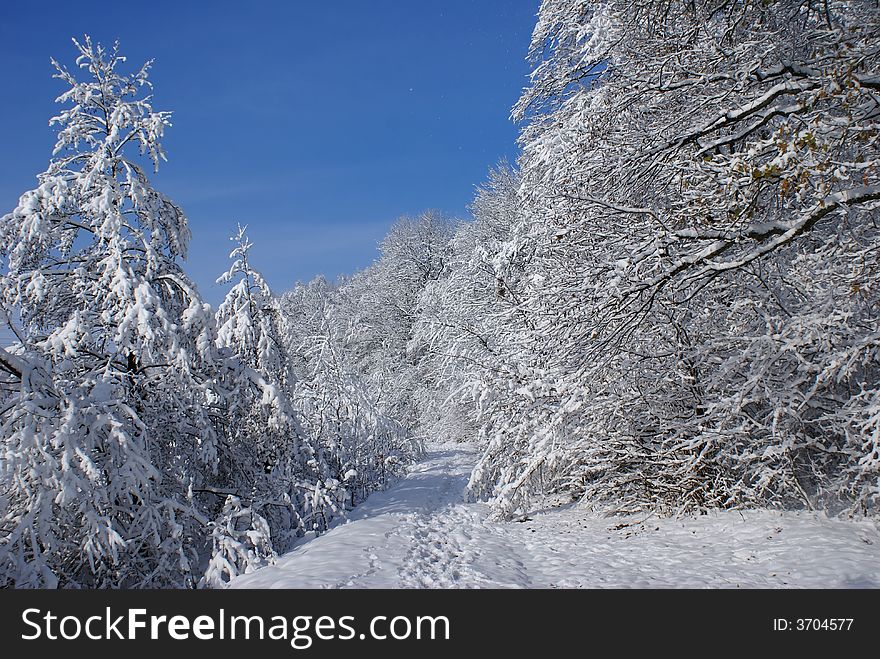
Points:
(315, 123)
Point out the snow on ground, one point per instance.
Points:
(421, 534)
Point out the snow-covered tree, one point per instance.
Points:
(261, 420)
(275, 466)
(107, 403)
(359, 385)
(307, 434)
(247, 319)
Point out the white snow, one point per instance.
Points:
(421, 534)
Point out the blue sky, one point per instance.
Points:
(317, 124)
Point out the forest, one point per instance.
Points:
(670, 303)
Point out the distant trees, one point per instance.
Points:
(468, 318)
(324, 406)
(361, 381)
(412, 256)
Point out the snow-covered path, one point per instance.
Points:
(421, 534)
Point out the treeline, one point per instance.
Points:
(148, 441)
(673, 304)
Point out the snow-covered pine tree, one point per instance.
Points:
(273, 464)
(248, 328)
(107, 414)
(247, 319)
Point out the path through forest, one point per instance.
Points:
(420, 533)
